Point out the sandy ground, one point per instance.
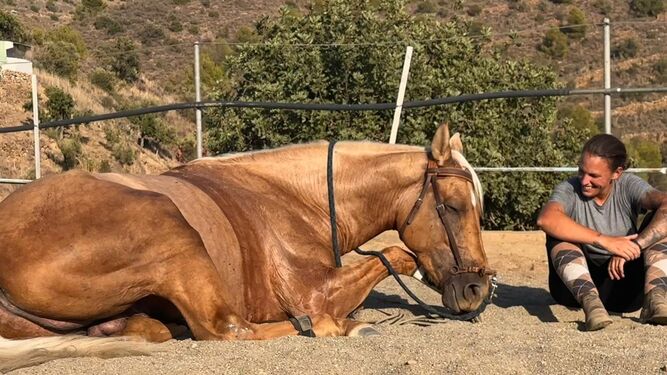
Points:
(522, 333)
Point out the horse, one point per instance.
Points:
(238, 247)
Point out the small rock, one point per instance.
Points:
(194, 345)
(411, 362)
(663, 368)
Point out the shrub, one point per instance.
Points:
(644, 153)
(426, 7)
(93, 6)
(110, 25)
(626, 49)
(151, 33)
(123, 153)
(603, 6)
(660, 71)
(59, 104)
(67, 34)
(645, 8)
(11, 28)
(105, 166)
(474, 10)
(71, 150)
(51, 6)
(554, 44)
(102, 79)
(125, 63)
(579, 117)
(60, 58)
(561, 1)
(174, 25)
(575, 26)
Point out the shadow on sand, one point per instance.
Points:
(536, 301)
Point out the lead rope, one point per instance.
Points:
(435, 310)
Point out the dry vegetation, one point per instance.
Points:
(164, 44)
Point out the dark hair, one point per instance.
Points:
(609, 147)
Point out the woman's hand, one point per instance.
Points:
(622, 247)
(615, 268)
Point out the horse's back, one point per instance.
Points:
(81, 239)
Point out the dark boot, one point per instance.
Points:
(655, 307)
(596, 315)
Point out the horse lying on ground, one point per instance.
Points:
(235, 246)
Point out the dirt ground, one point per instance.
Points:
(523, 332)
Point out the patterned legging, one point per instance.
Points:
(570, 264)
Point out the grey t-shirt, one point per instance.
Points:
(616, 217)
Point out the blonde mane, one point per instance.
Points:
(479, 194)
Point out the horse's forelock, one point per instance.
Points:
(479, 194)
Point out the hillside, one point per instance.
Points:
(163, 43)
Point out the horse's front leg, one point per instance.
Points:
(347, 287)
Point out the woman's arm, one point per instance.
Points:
(656, 231)
(554, 221)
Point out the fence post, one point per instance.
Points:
(35, 130)
(401, 94)
(607, 78)
(198, 99)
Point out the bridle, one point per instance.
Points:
(433, 173)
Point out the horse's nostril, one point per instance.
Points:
(472, 292)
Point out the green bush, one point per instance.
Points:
(174, 25)
(644, 153)
(575, 26)
(105, 166)
(59, 104)
(93, 6)
(554, 44)
(102, 79)
(660, 71)
(60, 58)
(364, 69)
(579, 117)
(150, 34)
(426, 7)
(110, 25)
(626, 49)
(11, 28)
(125, 62)
(603, 6)
(645, 8)
(51, 6)
(72, 150)
(123, 153)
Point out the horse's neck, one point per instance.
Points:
(370, 183)
(370, 189)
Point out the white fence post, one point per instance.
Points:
(198, 99)
(35, 121)
(401, 94)
(607, 77)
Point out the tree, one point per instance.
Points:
(364, 67)
(575, 26)
(554, 44)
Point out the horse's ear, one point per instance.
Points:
(455, 143)
(440, 145)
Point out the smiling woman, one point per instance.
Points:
(593, 242)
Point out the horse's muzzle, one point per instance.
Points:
(465, 292)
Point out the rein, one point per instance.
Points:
(433, 172)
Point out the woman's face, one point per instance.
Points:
(596, 176)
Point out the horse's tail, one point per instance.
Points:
(16, 354)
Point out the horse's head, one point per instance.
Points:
(445, 233)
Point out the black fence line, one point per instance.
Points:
(332, 107)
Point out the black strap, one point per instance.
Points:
(435, 310)
(304, 325)
(332, 205)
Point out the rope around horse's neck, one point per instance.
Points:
(336, 249)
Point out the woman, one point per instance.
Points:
(597, 257)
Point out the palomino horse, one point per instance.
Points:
(234, 246)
